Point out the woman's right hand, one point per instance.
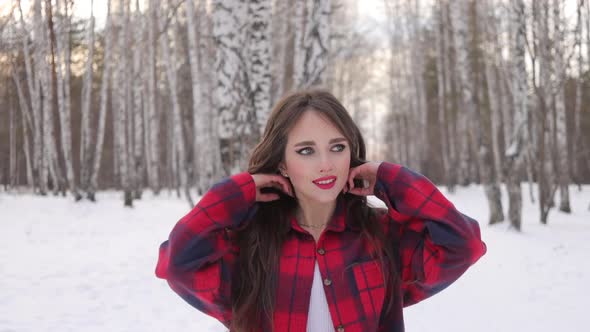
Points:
(271, 181)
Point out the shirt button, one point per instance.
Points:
(321, 251)
(327, 282)
(340, 328)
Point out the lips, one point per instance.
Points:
(325, 182)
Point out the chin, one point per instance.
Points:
(327, 198)
(321, 196)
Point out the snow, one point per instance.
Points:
(82, 266)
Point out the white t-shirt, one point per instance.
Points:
(318, 318)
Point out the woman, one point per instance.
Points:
(291, 244)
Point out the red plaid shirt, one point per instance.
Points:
(436, 244)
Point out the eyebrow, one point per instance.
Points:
(332, 141)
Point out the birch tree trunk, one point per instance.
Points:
(459, 22)
(207, 51)
(11, 179)
(177, 130)
(312, 42)
(41, 77)
(204, 140)
(495, 91)
(200, 129)
(106, 75)
(34, 88)
(439, 13)
(259, 55)
(26, 124)
(577, 143)
(234, 112)
(542, 120)
(563, 177)
(517, 146)
(280, 22)
(63, 92)
(466, 84)
(151, 117)
(137, 111)
(45, 46)
(417, 63)
(487, 171)
(450, 105)
(120, 105)
(85, 101)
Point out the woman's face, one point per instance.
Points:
(317, 158)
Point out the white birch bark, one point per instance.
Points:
(26, 124)
(151, 116)
(494, 81)
(62, 62)
(577, 143)
(179, 158)
(202, 130)
(450, 79)
(138, 164)
(563, 165)
(299, 23)
(207, 60)
(280, 22)
(127, 79)
(34, 88)
(234, 112)
(85, 100)
(49, 152)
(100, 132)
(542, 120)
(12, 177)
(120, 106)
(418, 66)
(259, 56)
(460, 40)
(439, 10)
(486, 165)
(312, 42)
(516, 149)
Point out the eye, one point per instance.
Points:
(338, 147)
(305, 151)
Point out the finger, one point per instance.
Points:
(287, 186)
(282, 184)
(351, 176)
(360, 191)
(268, 197)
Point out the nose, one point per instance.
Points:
(326, 164)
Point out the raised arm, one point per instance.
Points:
(437, 243)
(197, 257)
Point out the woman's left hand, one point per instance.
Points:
(366, 172)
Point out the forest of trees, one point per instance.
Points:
(174, 94)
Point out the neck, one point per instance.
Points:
(315, 213)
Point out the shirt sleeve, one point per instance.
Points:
(436, 242)
(197, 258)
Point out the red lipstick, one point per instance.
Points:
(326, 182)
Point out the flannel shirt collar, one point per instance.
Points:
(338, 221)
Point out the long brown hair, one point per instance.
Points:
(260, 241)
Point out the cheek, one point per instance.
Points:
(296, 169)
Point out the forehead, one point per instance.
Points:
(312, 126)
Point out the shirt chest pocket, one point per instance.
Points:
(370, 288)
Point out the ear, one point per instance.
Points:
(283, 170)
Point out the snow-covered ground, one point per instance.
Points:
(68, 266)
